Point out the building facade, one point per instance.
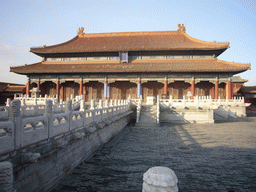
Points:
(116, 65)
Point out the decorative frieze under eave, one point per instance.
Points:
(133, 80)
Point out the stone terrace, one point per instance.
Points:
(209, 157)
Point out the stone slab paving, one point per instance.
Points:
(205, 157)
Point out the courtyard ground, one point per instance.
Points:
(205, 157)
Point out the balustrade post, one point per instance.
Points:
(8, 102)
(100, 103)
(197, 102)
(82, 105)
(6, 176)
(184, 101)
(115, 102)
(69, 110)
(111, 103)
(227, 101)
(106, 103)
(92, 104)
(170, 101)
(17, 119)
(49, 115)
(23, 106)
(101, 108)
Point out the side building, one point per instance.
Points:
(116, 65)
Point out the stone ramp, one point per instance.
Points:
(148, 117)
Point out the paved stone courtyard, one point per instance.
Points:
(205, 157)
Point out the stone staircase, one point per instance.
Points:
(148, 116)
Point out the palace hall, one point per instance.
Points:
(116, 65)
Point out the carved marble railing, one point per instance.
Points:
(25, 99)
(36, 106)
(202, 102)
(20, 131)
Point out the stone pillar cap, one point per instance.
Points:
(5, 165)
(160, 176)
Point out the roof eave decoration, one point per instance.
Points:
(80, 32)
(182, 28)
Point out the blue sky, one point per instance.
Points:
(27, 23)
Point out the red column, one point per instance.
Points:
(84, 91)
(58, 89)
(38, 84)
(165, 89)
(105, 89)
(63, 91)
(229, 89)
(28, 87)
(232, 89)
(192, 89)
(216, 89)
(81, 87)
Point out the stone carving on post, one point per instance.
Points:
(160, 179)
(6, 176)
(29, 157)
(79, 136)
(60, 143)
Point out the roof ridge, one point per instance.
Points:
(131, 33)
(74, 38)
(236, 64)
(201, 41)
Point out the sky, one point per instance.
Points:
(29, 23)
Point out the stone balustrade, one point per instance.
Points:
(36, 106)
(202, 109)
(203, 101)
(20, 131)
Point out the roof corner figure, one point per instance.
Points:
(182, 28)
(80, 31)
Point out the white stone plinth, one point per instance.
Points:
(159, 179)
